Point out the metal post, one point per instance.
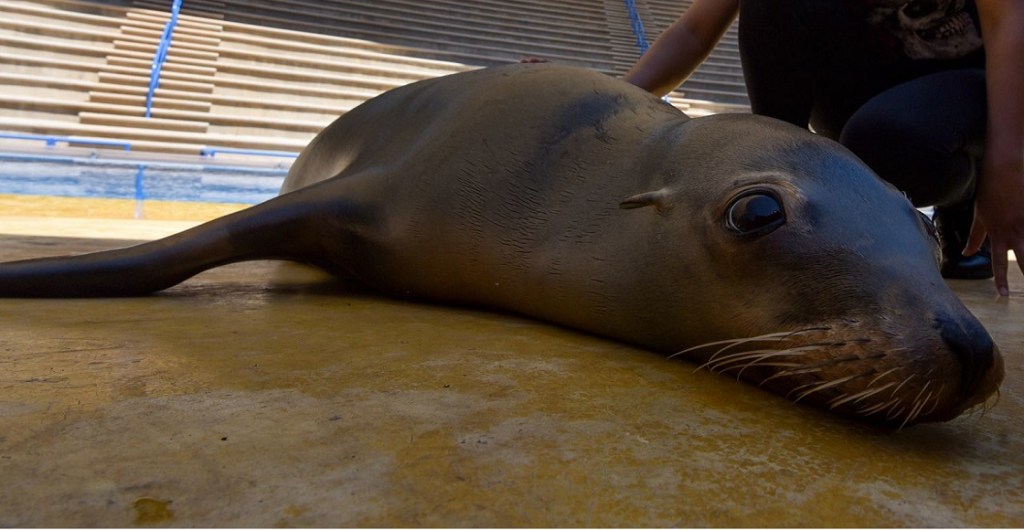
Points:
(139, 194)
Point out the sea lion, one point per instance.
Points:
(740, 242)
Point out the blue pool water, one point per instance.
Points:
(121, 179)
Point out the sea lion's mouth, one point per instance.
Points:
(983, 392)
(855, 370)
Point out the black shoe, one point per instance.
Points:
(953, 224)
(974, 267)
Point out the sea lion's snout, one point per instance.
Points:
(980, 361)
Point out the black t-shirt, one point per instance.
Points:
(818, 61)
(921, 35)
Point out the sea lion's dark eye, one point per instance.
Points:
(755, 214)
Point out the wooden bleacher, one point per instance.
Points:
(269, 74)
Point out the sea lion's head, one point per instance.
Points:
(827, 286)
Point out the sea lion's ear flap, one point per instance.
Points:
(657, 198)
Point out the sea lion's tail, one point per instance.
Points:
(275, 229)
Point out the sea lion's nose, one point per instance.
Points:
(978, 356)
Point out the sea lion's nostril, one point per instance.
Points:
(974, 349)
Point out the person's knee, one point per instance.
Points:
(929, 170)
(920, 148)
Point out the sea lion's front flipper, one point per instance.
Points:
(282, 228)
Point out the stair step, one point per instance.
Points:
(169, 66)
(151, 135)
(149, 48)
(165, 83)
(140, 100)
(183, 21)
(95, 118)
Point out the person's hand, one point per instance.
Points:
(999, 214)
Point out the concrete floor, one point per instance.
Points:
(267, 395)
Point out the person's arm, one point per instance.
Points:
(681, 48)
(999, 207)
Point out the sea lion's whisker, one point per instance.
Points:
(823, 386)
(859, 396)
(728, 344)
(925, 387)
(785, 373)
(881, 375)
(895, 413)
(794, 351)
(905, 381)
(920, 409)
(798, 350)
(917, 406)
(878, 407)
(759, 363)
(936, 403)
(714, 364)
(816, 386)
(988, 404)
(812, 368)
(753, 354)
(867, 392)
(800, 387)
(774, 337)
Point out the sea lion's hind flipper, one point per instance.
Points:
(282, 228)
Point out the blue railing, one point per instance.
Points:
(161, 176)
(140, 174)
(51, 141)
(161, 55)
(638, 27)
(212, 152)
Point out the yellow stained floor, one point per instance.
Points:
(264, 394)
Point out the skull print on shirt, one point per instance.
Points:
(928, 29)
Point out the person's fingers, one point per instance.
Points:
(999, 267)
(976, 238)
(1018, 253)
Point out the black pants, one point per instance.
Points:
(921, 131)
(924, 136)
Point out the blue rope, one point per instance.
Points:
(638, 27)
(161, 55)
